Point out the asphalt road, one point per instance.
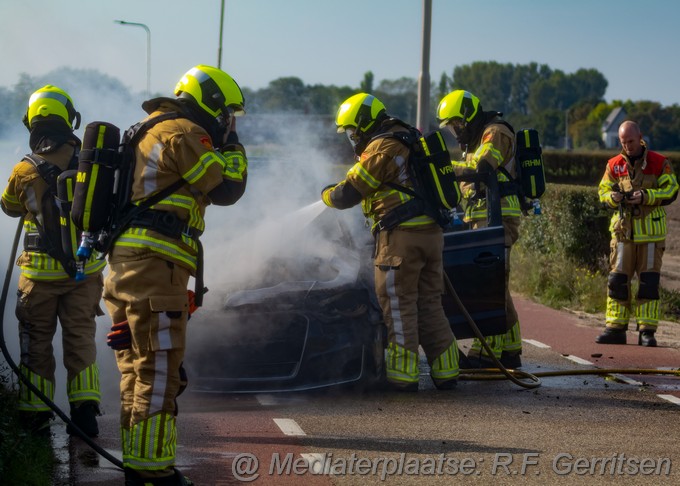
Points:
(621, 428)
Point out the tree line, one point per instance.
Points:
(556, 103)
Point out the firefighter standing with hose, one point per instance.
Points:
(47, 290)
(409, 245)
(150, 263)
(639, 182)
(489, 146)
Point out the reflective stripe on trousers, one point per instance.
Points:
(29, 401)
(630, 259)
(151, 444)
(401, 365)
(510, 342)
(445, 366)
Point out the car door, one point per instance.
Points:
(474, 262)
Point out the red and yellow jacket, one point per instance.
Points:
(653, 175)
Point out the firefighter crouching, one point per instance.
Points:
(489, 145)
(638, 182)
(47, 292)
(409, 246)
(150, 266)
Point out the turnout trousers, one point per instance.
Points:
(151, 294)
(628, 259)
(75, 304)
(409, 284)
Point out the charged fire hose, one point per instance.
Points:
(21, 376)
(511, 375)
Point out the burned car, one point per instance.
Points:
(308, 317)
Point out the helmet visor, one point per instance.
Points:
(456, 126)
(226, 119)
(351, 133)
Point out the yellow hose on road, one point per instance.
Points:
(497, 374)
(502, 373)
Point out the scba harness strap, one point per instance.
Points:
(435, 191)
(46, 238)
(400, 214)
(166, 223)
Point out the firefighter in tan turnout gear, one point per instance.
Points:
(638, 183)
(152, 260)
(408, 255)
(489, 145)
(47, 290)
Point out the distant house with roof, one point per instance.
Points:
(610, 127)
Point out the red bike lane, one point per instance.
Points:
(574, 337)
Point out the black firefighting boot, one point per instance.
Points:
(647, 338)
(463, 362)
(132, 478)
(391, 386)
(476, 360)
(511, 361)
(447, 384)
(612, 335)
(84, 416)
(38, 423)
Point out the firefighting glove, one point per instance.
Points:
(119, 337)
(484, 167)
(326, 195)
(191, 295)
(329, 186)
(232, 139)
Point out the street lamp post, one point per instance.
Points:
(148, 50)
(422, 114)
(219, 49)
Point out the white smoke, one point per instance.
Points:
(93, 105)
(272, 219)
(288, 167)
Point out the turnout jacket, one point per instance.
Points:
(172, 150)
(383, 160)
(497, 149)
(653, 174)
(28, 194)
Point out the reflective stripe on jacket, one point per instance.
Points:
(169, 151)
(497, 148)
(23, 196)
(384, 160)
(653, 174)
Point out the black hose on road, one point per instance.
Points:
(17, 371)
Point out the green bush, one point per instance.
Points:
(584, 166)
(563, 254)
(573, 226)
(24, 458)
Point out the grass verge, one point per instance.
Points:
(25, 459)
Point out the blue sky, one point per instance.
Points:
(634, 44)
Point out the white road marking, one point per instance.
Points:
(289, 427)
(578, 360)
(627, 380)
(538, 344)
(670, 398)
